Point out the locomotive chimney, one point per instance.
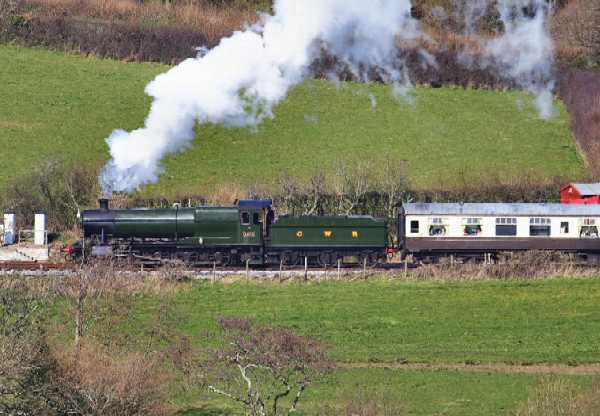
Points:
(103, 202)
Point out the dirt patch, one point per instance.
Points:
(559, 369)
(17, 125)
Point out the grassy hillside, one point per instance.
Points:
(514, 322)
(56, 105)
(370, 323)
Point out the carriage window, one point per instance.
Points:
(588, 231)
(256, 218)
(539, 230)
(564, 227)
(437, 230)
(539, 227)
(245, 218)
(414, 227)
(472, 230)
(506, 230)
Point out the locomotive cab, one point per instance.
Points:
(256, 217)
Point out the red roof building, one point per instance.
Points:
(580, 193)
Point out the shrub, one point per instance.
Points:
(125, 29)
(25, 365)
(265, 370)
(576, 29)
(555, 396)
(95, 381)
(56, 188)
(580, 90)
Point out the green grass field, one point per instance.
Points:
(56, 105)
(369, 323)
(417, 393)
(554, 321)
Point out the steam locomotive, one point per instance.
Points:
(246, 233)
(249, 233)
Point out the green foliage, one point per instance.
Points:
(57, 104)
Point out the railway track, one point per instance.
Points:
(205, 270)
(34, 265)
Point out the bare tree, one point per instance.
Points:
(351, 185)
(93, 283)
(265, 370)
(315, 194)
(393, 185)
(25, 385)
(289, 191)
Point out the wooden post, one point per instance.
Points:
(365, 268)
(280, 269)
(339, 276)
(405, 267)
(452, 260)
(214, 274)
(247, 269)
(305, 268)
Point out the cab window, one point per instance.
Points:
(256, 218)
(245, 218)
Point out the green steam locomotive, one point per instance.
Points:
(247, 233)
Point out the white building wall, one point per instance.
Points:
(10, 228)
(40, 229)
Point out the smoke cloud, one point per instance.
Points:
(238, 82)
(525, 51)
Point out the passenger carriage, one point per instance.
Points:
(471, 229)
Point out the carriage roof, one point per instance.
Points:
(503, 209)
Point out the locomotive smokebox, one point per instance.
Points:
(103, 203)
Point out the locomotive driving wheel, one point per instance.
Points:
(290, 258)
(368, 258)
(222, 259)
(327, 258)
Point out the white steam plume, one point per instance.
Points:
(238, 82)
(525, 51)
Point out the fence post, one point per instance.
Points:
(214, 273)
(280, 269)
(365, 268)
(339, 276)
(305, 268)
(247, 270)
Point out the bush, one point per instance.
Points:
(125, 29)
(25, 365)
(576, 29)
(58, 189)
(580, 90)
(555, 396)
(95, 381)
